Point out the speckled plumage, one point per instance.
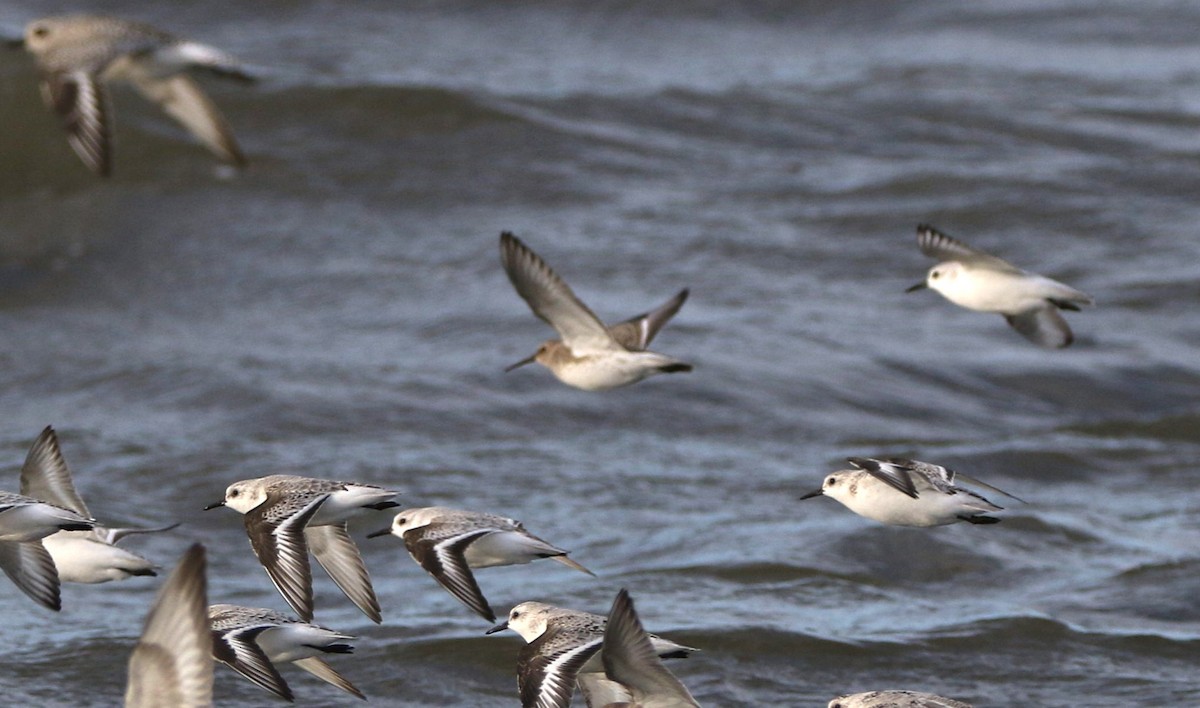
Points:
(251, 640)
(448, 543)
(287, 516)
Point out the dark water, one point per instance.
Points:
(339, 311)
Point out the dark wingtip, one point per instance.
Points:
(675, 368)
(979, 519)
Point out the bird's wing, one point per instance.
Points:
(637, 332)
(337, 554)
(282, 549)
(444, 557)
(45, 475)
(172, 664)
(552, 299)
(891, 472)
(187, 103)
(630, 660)
(940, 247)
(547, 668)
(81, 101)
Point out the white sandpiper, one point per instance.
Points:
(252, 640)
(172, 664)
(81, 556)
(79, 54)
(980, 281)
(895, 699)
(630, 661)
(903, 492)
(561, 650)
(287, 516)
(589, 355)
(448, 543)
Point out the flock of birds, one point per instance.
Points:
(48, 535)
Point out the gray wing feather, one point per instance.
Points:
(172, 664)
(337, 554)
(29, 565)
(45, 475)
(630, 659)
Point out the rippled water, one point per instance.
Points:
(339, 311)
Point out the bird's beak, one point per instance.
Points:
(919, 286)
(14, 43)
(810, 495)
(380, 532)
(214, 505)
(498, 628)
(527, 360)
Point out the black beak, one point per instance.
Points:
(214, 505)
(14, 43)
(810, 495)
(919, 286)
(380, 532)
(523, 362)
(498, 628)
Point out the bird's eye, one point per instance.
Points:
(934, 275)
(401, 521)
(40, 32)
(832, 481)
(233, 493)
(514, 615)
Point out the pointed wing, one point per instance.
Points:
(238, 650)
(281, 548)
(1042, 326)
(45, 475)
(317, 667)
(552, 300)
(337, 554)
(112, 536)
(82, 104)
(636, 333)
(940, 247)
(444, 558)
(172, 664)
(547, 668)
(891, 472)
(630, 660)
(29, 565)
(184, 101)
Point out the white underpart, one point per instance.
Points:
(611, 369)
(291, 642)
(987, 290)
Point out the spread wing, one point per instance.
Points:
(337, 554)
(547, 668)
(280, 545)
(940, 247)
(1043, 326)
(187, 103)
(636, 333)
(444, 557)
(45, 475)
(552, 300)
(238, 650)
(81, 101)
(172, 664)
(29, 565)
(316, 666)
(630, 660)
